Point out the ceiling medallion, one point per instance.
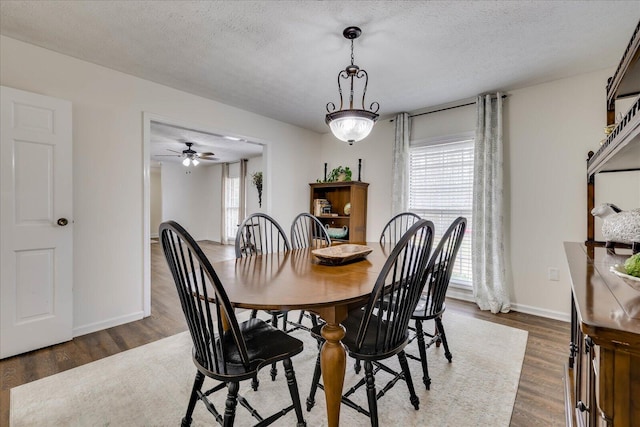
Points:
(352, 125)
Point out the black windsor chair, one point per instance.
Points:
(228, 355)
(380, 330)
(391, 234)
(261, 234)
(431, 304)
(397, 226)
(308, 232)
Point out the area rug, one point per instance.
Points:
(150, 386)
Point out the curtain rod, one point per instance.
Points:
(447, 108)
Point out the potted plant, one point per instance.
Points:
(256, 179)
(339, 174)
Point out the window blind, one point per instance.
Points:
(441, 189)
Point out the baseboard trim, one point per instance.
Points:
(466, 294)
(109, 323)
(542, 312)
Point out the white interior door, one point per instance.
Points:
(36, 300)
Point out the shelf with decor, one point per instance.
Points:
(342, 206)
(602, 375)
(620, 151)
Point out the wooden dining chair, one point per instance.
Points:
(261, 234)
(397, 226)
(308, 232)
(431, 304)
(380, 330)
(223, 349)
(391, 234)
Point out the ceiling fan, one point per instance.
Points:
(190, 155)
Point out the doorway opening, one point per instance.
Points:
(184, 166)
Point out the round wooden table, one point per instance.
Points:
(297, 280)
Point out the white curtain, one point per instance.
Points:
(399, 168)
(489, 287)
(223, 194)
(242, 208)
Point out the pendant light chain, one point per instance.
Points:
(352, 124)
(352, 57)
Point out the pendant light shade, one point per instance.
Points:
(352, 124)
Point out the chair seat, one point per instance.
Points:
(421, 311)
(368, 348)
(265, 345)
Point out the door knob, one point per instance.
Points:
(62, 222)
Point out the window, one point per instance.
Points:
(232, 205)
(441, 189)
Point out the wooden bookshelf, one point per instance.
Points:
(338, 194)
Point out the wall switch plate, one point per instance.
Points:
(553, 274)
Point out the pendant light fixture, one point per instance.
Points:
(353, 124)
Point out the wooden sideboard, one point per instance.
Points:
(602, 376)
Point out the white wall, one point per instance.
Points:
(187, 197)
(549, 129)
(108, 111)
(376, 154)
(443, 123)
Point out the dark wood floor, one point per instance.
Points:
(539, 401)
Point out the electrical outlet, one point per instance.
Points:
(553, 274)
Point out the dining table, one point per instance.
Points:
(299, 280)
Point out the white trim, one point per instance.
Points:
(542, 312)
(146, 214)
(109, 323)
(465, 293)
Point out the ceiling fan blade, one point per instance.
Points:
(207, 154)
(167, 155)
(209, 158)
(174, 151)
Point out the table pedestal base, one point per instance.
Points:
(333, 362)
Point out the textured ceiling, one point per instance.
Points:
(281, 58)
(167, 143)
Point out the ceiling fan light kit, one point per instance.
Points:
(191, 157)
(352, 124)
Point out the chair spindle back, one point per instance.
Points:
(203, 299)
(397, 290)
(260, 234)
(308, 232)
(440, 267)
(397, 226)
